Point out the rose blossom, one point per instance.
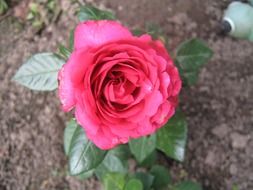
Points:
(121, 86)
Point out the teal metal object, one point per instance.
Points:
(238, 20)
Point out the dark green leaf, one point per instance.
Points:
(138, 32)
(141, 148)
(83, 155)
(193, 54)
(187, 185)
(85, 175)
(156, 32)
(40, 72)
(189, 78)
(114, 181)
(92, 13)
(134, 184)
(121, 151)
(171, 139)
(146, 179)
(162, 176)
(64, 52)
(190, 58)
(110, 164)
(69, 132)
(150, 160)
(3, 6)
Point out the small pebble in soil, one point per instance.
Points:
(233, 169)
(221, 131)
(238, 140)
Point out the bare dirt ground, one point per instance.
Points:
(219, 109)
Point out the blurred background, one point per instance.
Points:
(219, 108)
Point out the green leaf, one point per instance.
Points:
(64, 52)
(134, 184)
(189, 78)
(92, 13)
(162, 176)
(138, 32)
(187, 185)
(121, 151)
(115, 161)
(114, 181)
(34, 8)
(150, 160)
(171, 139)
(111, 163)
(235, 187)
(69, 132)
(83, 154)
(3, 6)
(85, 175)
(141, 148)
(191, 56)
(40, 72)
(30, 16)
(51, 5)
(153, 30)
(146, 179)
(156, 32)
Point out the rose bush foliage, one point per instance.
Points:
(121, 86)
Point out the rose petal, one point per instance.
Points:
(165, 82)
(86, 121)
(95, 33)
(101, 141)
(152, 103)
(158, 46)
(105, 140)
(66, 89)
(145, 127)
(165, 111)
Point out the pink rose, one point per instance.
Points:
(121, 86)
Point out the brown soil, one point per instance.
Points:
(219, 108)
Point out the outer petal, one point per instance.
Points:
(70, 77)
(158, 46)
(100, 140)
(145, 127)
(86, 121)
(105, 140)
(165, 111)
(95, 33)
(66, 89)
